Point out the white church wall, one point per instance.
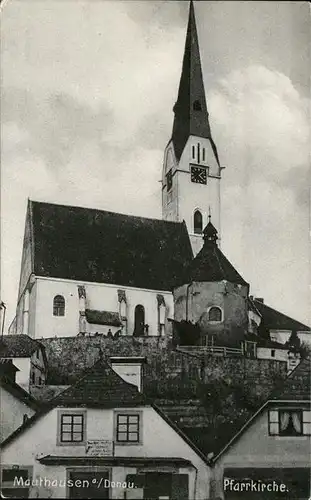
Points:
(102, 297)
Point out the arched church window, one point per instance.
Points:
(214, 314)
(139, 321)
(197, 222)
(169, 180)
(59, 306)
(197, 106)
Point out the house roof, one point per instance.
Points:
(103, 317)
(191, 115)
(101, 386)
(19, 346)
(95, 245)
(210, 264)
(275, 320)
(295, 388)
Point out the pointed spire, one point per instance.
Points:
(191, 115)
(210, 234)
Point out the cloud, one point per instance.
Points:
(261, 127)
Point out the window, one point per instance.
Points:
(169, 180)
(13, 479)
(139, 321)
(250, 349)
(199, 152)
(128, 428)
(203, 154)
(71, 428)
(59, 306)
(197, 106)
(197, 222)
(272, 353)
(214, 314)
(193, 152)
(289, 422)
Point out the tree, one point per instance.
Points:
(187, 333)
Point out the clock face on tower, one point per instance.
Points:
(198, 174)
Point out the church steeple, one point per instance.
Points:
(191, 114)
(191, 169)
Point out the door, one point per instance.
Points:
(87, 484)
(166, 486)
(139, 320)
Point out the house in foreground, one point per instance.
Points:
(271, 452)
(101, 438)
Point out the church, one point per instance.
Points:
(91, 272)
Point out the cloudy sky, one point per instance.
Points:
(87, 96)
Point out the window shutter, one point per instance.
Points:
(274, 422)
(306, 426)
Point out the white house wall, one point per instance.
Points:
(99, 296)
(255, 448)
(12, 411)
(40, 439)
(22, 376)
(265, 353)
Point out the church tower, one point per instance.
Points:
(191, 169)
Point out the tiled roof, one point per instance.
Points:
(210, 264)
(18, 346)
(100, 386)
(95, 245)
(275, 320)
(103, 317)
(297, 386)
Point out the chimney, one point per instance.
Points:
(259, 299)
(130, 368)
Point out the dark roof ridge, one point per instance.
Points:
(264, 305)
(109, 212)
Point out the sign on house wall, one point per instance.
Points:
(99, 448)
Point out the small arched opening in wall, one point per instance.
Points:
(215, 314)
(58, 305)
(139, 321)
(197, 221)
